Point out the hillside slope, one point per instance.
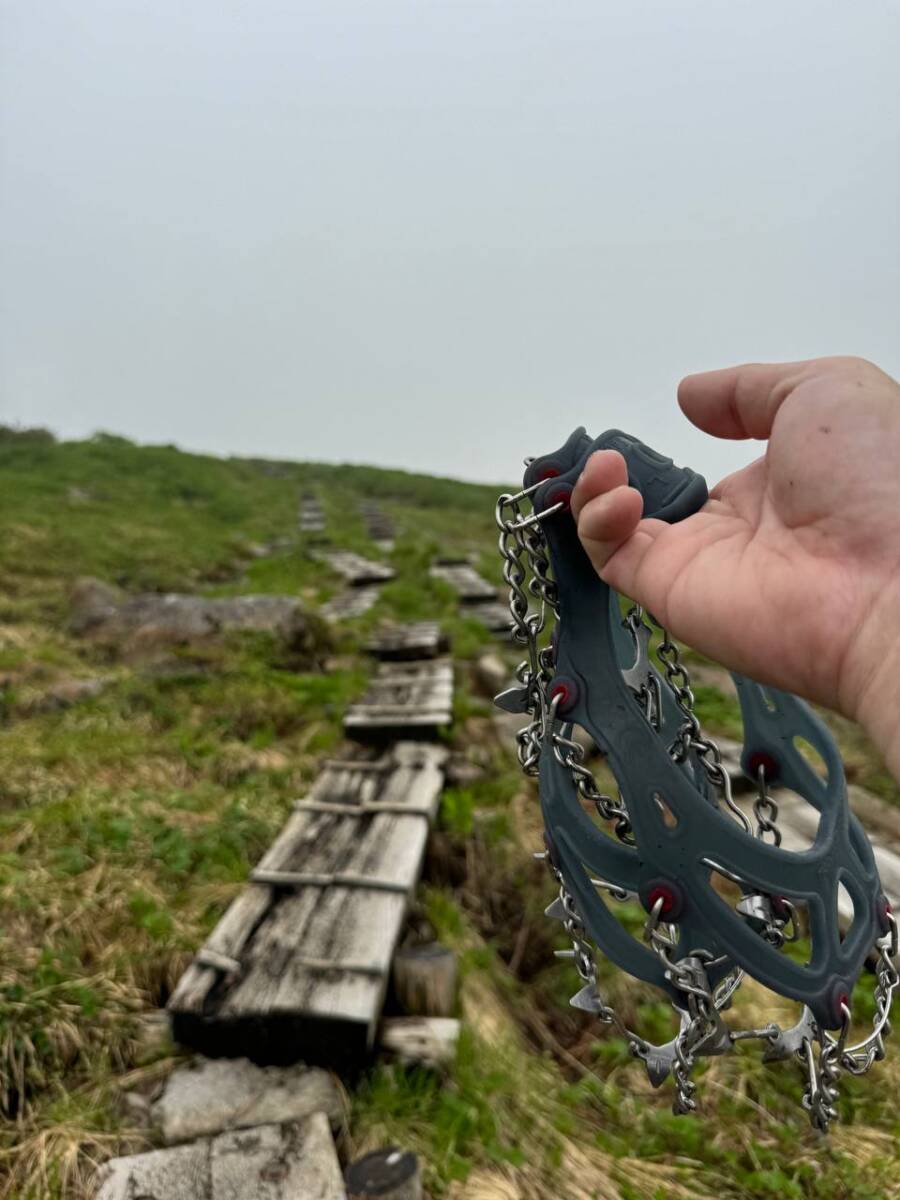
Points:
(138, 788)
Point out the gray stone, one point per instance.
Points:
(149, 620)
(211, 1095)
(269, 1162)
(493, 674)
(157, 1175)
(297, 1162)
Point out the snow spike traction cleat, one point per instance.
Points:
(675, 826)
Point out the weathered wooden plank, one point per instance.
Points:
(379, 525)
(416, 640)
(430, 1041)
(353, 602)
(313, 946)
(355, 569)
(404, 696)
(464, 579)
(493, 614)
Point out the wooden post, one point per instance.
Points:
(425, 980)
(389, 1174)
(426, 1041)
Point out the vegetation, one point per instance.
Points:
(135, 793)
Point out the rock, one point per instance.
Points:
(93, 602)
(65, 693)
(461, 772)
(153, 1037)
(270, 1162)
(151, 620)
(211, 1095)
(157, 1175)
(492, 674)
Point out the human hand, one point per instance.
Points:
(790, 573)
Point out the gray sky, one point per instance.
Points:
(436, 234)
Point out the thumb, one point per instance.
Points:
(741, 402)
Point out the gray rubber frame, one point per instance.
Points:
(592, 651)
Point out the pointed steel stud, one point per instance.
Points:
(513, 700)
(587, 999)
(556, 911)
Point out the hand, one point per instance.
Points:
(790, 573)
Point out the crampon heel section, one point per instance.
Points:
(721, 897)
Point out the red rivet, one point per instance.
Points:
(661, 893)
(780, 907)
(547, 473)
(566, 691)
(759, 758)
(561, 496)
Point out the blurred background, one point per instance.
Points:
(440, 234)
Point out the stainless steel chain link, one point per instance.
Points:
(526, 570)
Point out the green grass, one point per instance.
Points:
(129, 820)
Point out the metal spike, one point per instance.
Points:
(587, 999)
(513, 700)
(539, 855)
(563, 953)
(659, 1064)
(556, 911)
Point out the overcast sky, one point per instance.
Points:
(436, 234)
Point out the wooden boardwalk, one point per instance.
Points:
(310, 516)
(379, 526)
(297, 967)
(493, 614)
(417, 639)
(464, 579)
(404, 699)
(355, 569)
(352, 602)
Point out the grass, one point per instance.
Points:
(130, 817)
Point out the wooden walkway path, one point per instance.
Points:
(478, 599)
(418, 639)
(404, 699)
(355, 569)
(464, 579)
(310, 516)
(379, 526)
(352, 602)
(298, 965)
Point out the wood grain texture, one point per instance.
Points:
(314, 944)
(404, 698)
(465, 581)
(355, 569)
(417, 639)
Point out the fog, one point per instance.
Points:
(436, 236)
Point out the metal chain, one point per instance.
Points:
(526, 569)
(765, 809)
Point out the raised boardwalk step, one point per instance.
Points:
(352, 602)
(404, 699)
(355, 569)
(418, 639)
(297, 967)
(464, 579)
